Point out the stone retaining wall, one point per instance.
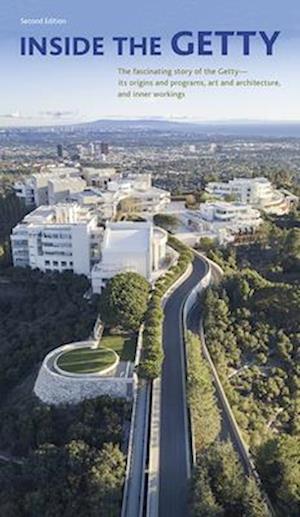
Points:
(56, 389)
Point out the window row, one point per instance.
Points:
(56, 263)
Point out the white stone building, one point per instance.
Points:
(66, 236)
(98, 176)
(235, 216)
(146, 199)
(129, 246)
(52, 185)
(257, 192)
(102, 189)
(57, 238)
(218, 220)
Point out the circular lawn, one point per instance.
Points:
(87, 360)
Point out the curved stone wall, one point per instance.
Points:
(54, 387)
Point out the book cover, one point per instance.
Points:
(149, 258)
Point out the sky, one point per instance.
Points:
(39, 90)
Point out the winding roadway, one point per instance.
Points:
(175, 460)
(174, 438)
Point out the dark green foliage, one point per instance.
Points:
(252, 331)
(219, 487)
(292, 243)
(167, 221)
(279, 304)
(203, 501)
(12, 210)
(70, 480)
(225, 474)
(124, 301)
(278, 462)
(276, 250)
(201, 396)
(254, 504)
(29, 424)
(225, 258)
(152, 355)
(71, 459)
(39, 312)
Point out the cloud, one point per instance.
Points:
(15, 114)
(58, 114)
(42, 114)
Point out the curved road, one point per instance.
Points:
(174, 437)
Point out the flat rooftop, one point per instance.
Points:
(62, 213)
(120, 236)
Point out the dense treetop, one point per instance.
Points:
(124, 301)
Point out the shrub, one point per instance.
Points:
(152, 355)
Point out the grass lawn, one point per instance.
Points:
(124, 345)
(86, 360)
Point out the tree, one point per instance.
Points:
(284, 346)
(292, 243)
(201, 396)
(167, 221)
(202, 196)
(39, 312)
(124, 301)
(278, 462)
(226, 476)
(203, 502)
(69, 479)
(206, 244)
(254, 505)
(106, 481)
(230, 198)
(152, 357)
(190, 201)
(219, 486)
(127, 205)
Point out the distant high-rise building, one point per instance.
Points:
(60, 150)
(104, 148)
(91, 149)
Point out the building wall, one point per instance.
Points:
(258, 192)
(55, 244)
(35, 189)
(57, 247)
(124, 260)
(81, 244)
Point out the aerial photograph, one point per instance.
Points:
(149, 259)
